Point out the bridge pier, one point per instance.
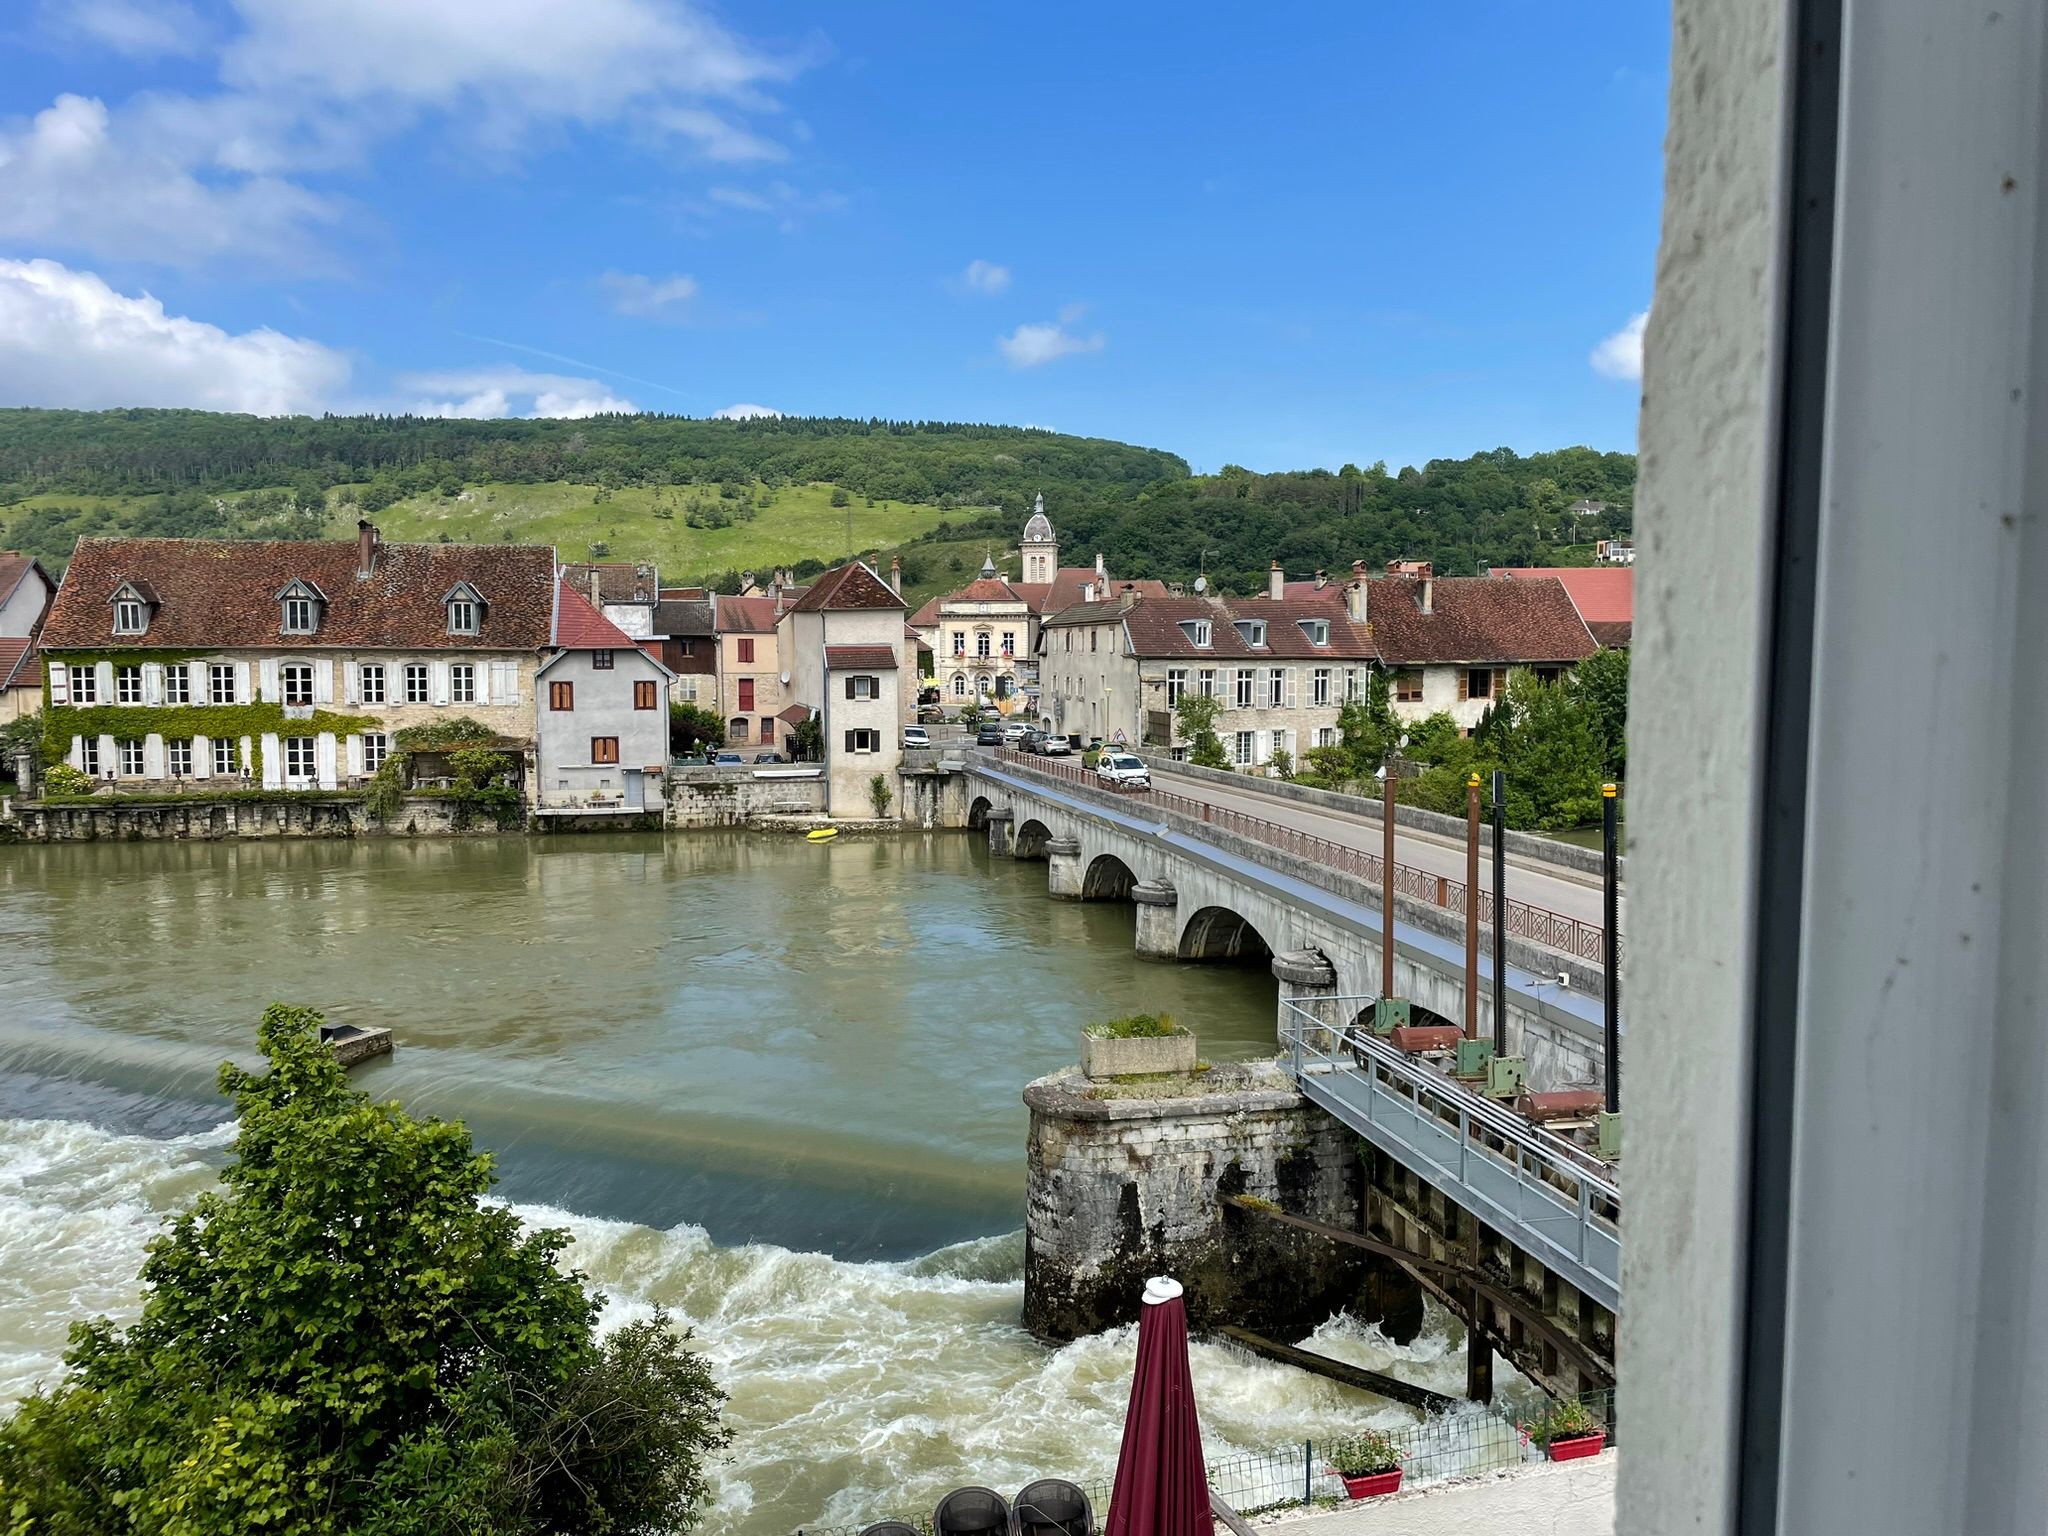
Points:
(1158, 905)
(1001, 833)
(1063, 873)
(1309, 981)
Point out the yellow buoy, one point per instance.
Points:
(821, 834)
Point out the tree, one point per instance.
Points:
(1196, 714)
(691, 726)
(1601, 680)
(807, 741)
(880, 795)
(1551, 756)
(840, 498)
(348, 1337)
(1366, 728)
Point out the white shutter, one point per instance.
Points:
(323, 758)
(153, 756)
(273, 760)
(482, 672)
(105, 672)
(202, 757)
(245, 755)
(349, 669)
(153, 687)
(268, 681)
(76, 756)
(438, 671)
(505, 682)
(243, 693)
(1262, 690)
(355, 757)
(60, 683)
(1290, 742)
(110, 758)
(323, 682)
(1291, 673)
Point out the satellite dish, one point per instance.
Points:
(785, 679)
(1201, 583)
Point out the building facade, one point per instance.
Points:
(26, 592)
(750, 667)
(289, 665)
(602, 718)
(854, 668)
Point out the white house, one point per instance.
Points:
(602, 731)
(851, 664)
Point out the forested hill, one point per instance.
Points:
(157, 452)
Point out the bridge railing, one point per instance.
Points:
(1554, 1198)
(1538, 925)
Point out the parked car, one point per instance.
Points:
(990, 734)
(1014, 731)
(1122, 770)
(1055, 745)
(770, 757)
(916, 736)
(729, 760)
(1032, 740)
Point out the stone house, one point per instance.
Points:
(602, 721)
(751, 666)
(853, 667)
(1282, 668)
(289, 664)
(1450, 641)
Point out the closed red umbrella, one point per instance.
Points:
(1162, 1483)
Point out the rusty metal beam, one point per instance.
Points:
(1341, 1371)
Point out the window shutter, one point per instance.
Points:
(1291, 694)
(202, 757)
(505, 681)
(349, 686)
(1464, 684)
(323, 758)
(437, 671)
(243, 695)
(1500, 681)
(273, 759)
(849, 739)
(104, 671)
(355, 756)
(110, 756)
(849, 734)
(153, 688)
(153, 762)
(483, 687)
(323, 682)
(60, 683)
(267, 680)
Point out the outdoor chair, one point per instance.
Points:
(1054, 1507)
(971, 1512)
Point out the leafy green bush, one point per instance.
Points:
(879, 795)
(350, 1336)
(63, 779)
(1367, 1452)
(1135, 1026)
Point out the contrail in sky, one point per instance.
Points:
(573, 362)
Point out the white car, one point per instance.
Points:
(916, 736)
(1014, 732)
(1121, 769)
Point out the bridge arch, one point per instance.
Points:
(977, 813)
(1032, 836)
(1217, 933)
(1108, 878)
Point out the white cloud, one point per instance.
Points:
(650, 298)
(1031, 346)
(744, 412)
(129, 27)
(985, 277)
(67, 339)
(1620, 356)
(479, 393)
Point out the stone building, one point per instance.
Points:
(288, 664)
(752, 668)
(624, 591)
(853, 668)
(685, 640)
(602, 719)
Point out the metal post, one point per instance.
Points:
(1472, 907)
(1611, 909)
(1308, 1472)
(1500, 913)
(1387, 877)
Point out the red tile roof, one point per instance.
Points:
(221, 594)
(985, 589)
(1064, 590)
(928, 615)
(580, 627)
(745, 615)
(1605, 595)
(859, 658)
(1475, 618)
(850, 586)
(613, 581)
(1154, 625)
(21, 664)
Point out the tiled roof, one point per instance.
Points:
(222, 594)
(928, 615)
(850, 586)
(1064, 590)
(745, 615)
(1154, 625)
(986, 589)
(15, 568)
(613, 581)
(680, 618)
(21, 664)
(684, 594)
(795, 714)
(859, 658)
(1331, 591)
(1475, 618)
(1605, 595)
(580, 627)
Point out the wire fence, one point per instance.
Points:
(1461, 1443)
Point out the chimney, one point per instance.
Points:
(746, 581)
(1087, 591)
(1101, 570)
(1276, 582)
(1355, 594)
(367, 541)
(896, 574)
(1425, 595)
(1322, 580)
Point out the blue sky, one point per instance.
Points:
(1277, 236)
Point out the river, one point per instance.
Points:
(770, 1085)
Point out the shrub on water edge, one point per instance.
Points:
(1135, 1026)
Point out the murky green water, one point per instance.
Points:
(771, 1085)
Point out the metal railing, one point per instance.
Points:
(1538, 925)
(1463, 1443)
(1551, 1196)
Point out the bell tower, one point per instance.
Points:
(1039, 548)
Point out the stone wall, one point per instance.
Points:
(203, 819)
(709, 797)
(1120, 1189)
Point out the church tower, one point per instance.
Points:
(1041, 551)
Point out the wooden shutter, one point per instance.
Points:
(244, 694)
(273, 761)
(481, 687)
(153, 688)
(1464, 684)
(437, 673)
(349, 685)
(355, 756)
(323, 683)
(849, 734)
(323, 759)
(104, 674)
(849, 741)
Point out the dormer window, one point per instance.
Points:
(1317, 630)
(465, 610)
(1252, 632)
(1197, 631)
(132, 605)
(299, 607)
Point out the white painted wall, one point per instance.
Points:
(22, 607)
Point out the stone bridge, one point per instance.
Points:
(1205, 894)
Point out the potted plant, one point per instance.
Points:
(1567, 1431)
(1369, 1462)
(1140, 1045)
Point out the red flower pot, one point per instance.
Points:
(1372, 1484)
(1576, 1447)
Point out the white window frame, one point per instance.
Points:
(1244, 687)
(1319, 687)
(462, 682)
(85, 685)
(132, 756)
(864, 690)
(226, 756)
(220, 683)
(371, 683)
(131, 616)
(1207, 678)
(178, 683)
(127, 683)
(303, 749)
(299, 671)
(89, 756)
(462, 616)
(178, 757)
(1244, 746)
(419, 683)
(376, 747)
(1176, 685)
(298, 615)
(864, 739)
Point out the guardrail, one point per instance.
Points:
(1538, 925)
(1554, 1198)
